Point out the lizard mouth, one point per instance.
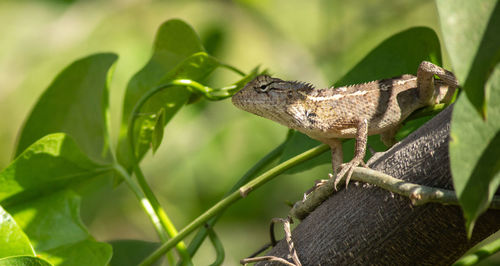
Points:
(241, 99)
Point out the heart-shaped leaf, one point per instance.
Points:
(75, 103)
(35, 190)
(53, 162)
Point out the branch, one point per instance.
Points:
(418, 194)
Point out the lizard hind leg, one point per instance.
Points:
(337, 154)
(425, 80)
(389, 137)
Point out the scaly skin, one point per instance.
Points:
(355, 111)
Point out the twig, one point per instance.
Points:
(289, 242)
(266, 258)
(291, 248)
(418, 194)
(266, 246)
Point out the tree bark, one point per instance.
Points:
(368, 225)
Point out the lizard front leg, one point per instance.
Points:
(359, 154)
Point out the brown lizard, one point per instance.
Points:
(356, 111)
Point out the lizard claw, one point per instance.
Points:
(346, 170)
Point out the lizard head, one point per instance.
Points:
(271, 97)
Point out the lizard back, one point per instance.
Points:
(332, 112)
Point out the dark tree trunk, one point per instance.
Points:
(368, 225)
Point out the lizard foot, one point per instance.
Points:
(346, 170)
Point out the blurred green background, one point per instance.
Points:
(208, 145)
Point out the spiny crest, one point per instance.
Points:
(359, 84)
(354, 87)
(302, 85)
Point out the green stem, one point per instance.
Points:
(146, 206)
(160, 216)
(480, 254)
(219, 248)
(164, 220)
(261, 164)
(233, 197)
(241, 73)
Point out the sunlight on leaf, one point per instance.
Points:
(23, 261)
(54, 227)
(34, 189)
(13, 241)
(51, 163)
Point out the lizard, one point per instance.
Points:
(355, 111)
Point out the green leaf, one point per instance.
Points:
(54, 227)
(471, 36)
(24, 261)
(53, 162)
(75, 103)
(13, 241)
(173, 58)
(400, 54)
(131, 252)
(34, 189)
(84, 252)
(474, 150)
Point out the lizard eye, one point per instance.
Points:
(262, 88)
